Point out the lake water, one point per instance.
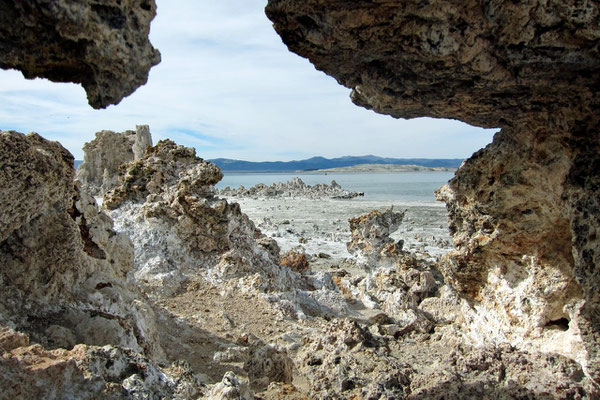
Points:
(406, 187)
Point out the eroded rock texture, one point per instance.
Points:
(524, 210)
(103, 46)
(104, 155)
(64, 290)
(165, 202)
(371, 233)
(487, 63)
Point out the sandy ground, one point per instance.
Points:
(321, 226)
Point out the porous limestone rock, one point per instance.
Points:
(295, 261)
(346, 360)
(523, 211)
(514, 244)
(103, 46)
(102, 157)
(165, 202)
(63, 267)
(486, 63)
(371, 234)
(85, 372)
(231, 388)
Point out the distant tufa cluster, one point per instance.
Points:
(296, 188)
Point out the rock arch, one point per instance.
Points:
(524, 211)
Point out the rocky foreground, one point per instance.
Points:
(172, 292)
(512, 312)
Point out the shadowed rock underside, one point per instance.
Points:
(103, 46)
(523, 211)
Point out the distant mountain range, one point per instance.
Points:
(315, 163)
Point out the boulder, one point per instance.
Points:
(370, 233)
(295, 261)
(71, 324)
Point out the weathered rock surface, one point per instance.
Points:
(102, 157)
(371, 234)
(349, 360)
(295, 261)
(487, 63)
(64, 291)
(85, 372)
(221, 301)
(60, 256)
(102, 46)
(523, 211)
(165, 203)
(296, 188)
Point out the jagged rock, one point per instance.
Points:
(102, 46)
(523, 211)
(165, 203)
(231, 388)
(180, 230)
(515, 252)
(102, 157)
(370, 234)
(347, 361)
(87, 372)
(160, 171)
(295, 261)
(486, 63)
(296, 188)
(344, 361)
(502, 373)
(63, 268)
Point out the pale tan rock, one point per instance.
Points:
(103, 156)
(63, 267)
(102, 46)
(231, 388)
(524, 210)
(371, 235)
(165, 202)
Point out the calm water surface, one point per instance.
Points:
(407, 187)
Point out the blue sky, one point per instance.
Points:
(228, 87)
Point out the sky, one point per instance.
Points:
(229, 87)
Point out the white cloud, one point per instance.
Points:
(229, 87)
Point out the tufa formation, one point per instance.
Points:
(103, 46)
(524, 211)
(104, 155)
